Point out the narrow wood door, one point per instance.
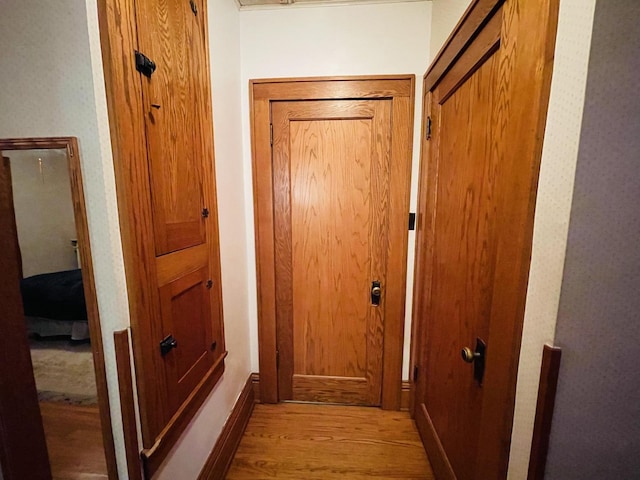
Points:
(172, 36)
(474, 236)
(331, 167)
(23, 448)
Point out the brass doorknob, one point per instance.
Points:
(377, 291)
(469, 355)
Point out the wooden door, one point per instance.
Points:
(23, 448)
(480, 162)
(331, 193)
(171, 35)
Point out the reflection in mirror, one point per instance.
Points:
(56, 311)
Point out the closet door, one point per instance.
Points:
(170, 36)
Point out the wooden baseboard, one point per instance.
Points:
(405, 395)
(255, 382)
(435, 451)
(219, 461)
(549, 372)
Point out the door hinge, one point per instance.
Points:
(144, 64)
(194, 8)
(209, 284)
(271, 133)
(429, 128)
(415, 374)
(412, 221)
(277, 359)
(205, 213)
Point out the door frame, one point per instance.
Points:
(70, 144)
(398, 88)
(527, 31)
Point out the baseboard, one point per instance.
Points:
(405, 395)
(255, 381)
(435, 451)
(219, 460)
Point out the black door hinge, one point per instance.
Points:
(429, 128)
(412, 221)
(194, 8)
(205, 213)
(415, 374)
(271, 133)
(144, 64)
(209, 284)
(214, 345)
(168, 344)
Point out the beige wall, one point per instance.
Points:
(445, 16)
(44, 210)
(331, 40)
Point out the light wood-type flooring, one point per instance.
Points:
(324, 442)
(74, 441)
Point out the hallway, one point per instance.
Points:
(322, 442)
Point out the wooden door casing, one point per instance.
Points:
(486, 96)
(397, 89)
(331, 175)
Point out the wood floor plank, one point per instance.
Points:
(324, 442)
(74, 441)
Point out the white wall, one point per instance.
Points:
(445, 16)
(331, 40)
(44, 210)
(190, 453)
(47, 88)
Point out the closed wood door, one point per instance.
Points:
(172, 36)
(474, 237)
(331, 162)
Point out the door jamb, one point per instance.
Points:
(400, 89)
(70, 144)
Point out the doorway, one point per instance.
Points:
(332, 208)
(54, 312)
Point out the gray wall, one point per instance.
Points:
(596, 426)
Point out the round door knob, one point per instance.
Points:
(468, 355)
(377, 291)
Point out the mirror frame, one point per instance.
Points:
(70, 144)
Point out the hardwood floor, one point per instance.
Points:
(323, 442)
(74, 441)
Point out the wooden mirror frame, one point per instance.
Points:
(70, 144)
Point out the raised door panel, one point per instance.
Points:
(170, 34)
(186, 316)
(331, 175)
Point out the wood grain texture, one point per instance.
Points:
(161, 420)
(70, 144)
(127, 404)
(500, 249)
(331, 231)
(168, 34)
(549, 372)
(461, 36)
(23, 451)
(433, 446)
(219, 460)
(74, 441)
(320, 442)
(279, 89)
(462, 276)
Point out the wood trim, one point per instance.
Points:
(82, 230)
(255, 383)
(405, 396)
(464, 32)
(152, 457)
(432, 444)
(549, 372)
(127, 404)
(221, 456)
(400, 89)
